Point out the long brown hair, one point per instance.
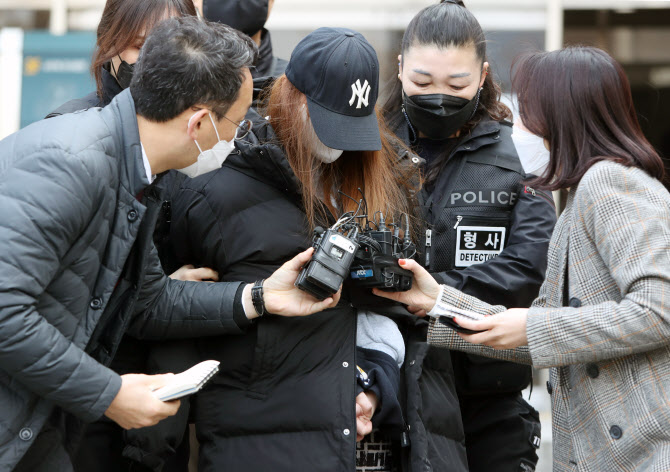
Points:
(385, 184)
(123, 21)
(579, 100)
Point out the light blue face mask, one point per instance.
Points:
(210, 159)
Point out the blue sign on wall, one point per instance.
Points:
(56, 69)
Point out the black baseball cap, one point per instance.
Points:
(338, 71)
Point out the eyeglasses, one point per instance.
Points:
(243, 128)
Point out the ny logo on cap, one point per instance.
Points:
(358, 91)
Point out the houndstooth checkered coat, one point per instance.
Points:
(609, 350)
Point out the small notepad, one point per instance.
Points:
(446, 314)
(188, 382)
(442, 309)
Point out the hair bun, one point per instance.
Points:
(455, 2)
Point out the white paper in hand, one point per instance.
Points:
(442, 309)
(446, 314)
(188, 382)
(452, 312)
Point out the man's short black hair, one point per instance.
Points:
(186, 62)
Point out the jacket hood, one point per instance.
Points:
(261, 156)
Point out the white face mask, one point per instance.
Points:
(319, 150)
(533, 155)
(211, 159)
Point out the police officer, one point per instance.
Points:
(487, 233)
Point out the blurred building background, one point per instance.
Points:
(53, 68)
(45, 49)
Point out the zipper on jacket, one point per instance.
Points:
(355, 328)
(459, 218)
(404, 437)
(429, 243)
(541, 194)
(547, 198)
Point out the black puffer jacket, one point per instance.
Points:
(284, 398)
(78, 269)
(284, 395)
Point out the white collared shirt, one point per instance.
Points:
(147, 166)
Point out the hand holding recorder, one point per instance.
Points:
(279, 295)
(364, 250)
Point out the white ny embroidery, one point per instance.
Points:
(358, 91)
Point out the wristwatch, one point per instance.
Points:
(257, 297)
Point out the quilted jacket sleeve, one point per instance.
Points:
(625, 214)
(41, 215)
(170, 308)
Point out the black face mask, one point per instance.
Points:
(124, 74)
(247, 16)
(437, 115)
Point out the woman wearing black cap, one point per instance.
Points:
(287, 396)
(487, 234)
